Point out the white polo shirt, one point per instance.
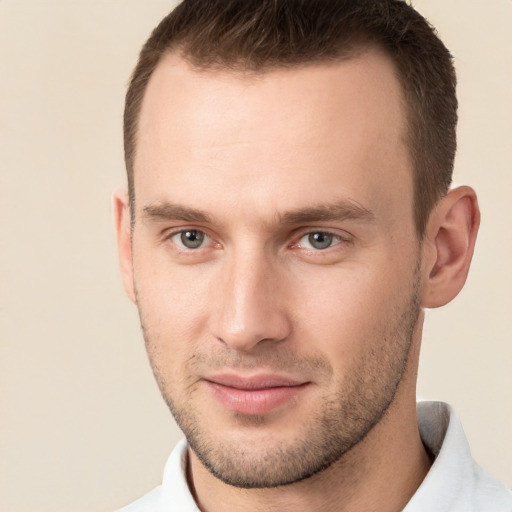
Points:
(455, 482)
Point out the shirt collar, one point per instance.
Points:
(175, 488)
(455, 483)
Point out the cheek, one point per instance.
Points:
(172, 303)
(173, 321)
(347, 312)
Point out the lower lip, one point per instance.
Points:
(255, 402)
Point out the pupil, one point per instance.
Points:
(320, 240)
(192, 239)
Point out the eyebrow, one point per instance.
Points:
(170, 211)
(337, 211)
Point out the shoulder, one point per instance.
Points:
(174, 493)
(455, 482)
(150, 502)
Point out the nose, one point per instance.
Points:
(249, 303)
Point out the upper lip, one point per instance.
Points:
(250, 382)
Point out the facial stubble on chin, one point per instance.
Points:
(336, 425)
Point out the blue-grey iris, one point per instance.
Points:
(320, 240)
(192, 239)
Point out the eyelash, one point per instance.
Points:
(181, 232)
(335, 239)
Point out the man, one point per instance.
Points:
(287, 221)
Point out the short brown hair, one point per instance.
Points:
(259, 35)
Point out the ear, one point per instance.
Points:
(448, 246)
(122, 223)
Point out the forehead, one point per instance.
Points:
(320, 129)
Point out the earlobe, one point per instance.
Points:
(122, 224)
(449, 244)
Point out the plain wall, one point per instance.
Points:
(82, 425)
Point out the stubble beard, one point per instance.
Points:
(337, 425)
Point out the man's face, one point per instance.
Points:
(275, 259)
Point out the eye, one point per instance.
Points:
(190, 238)
(319, 240)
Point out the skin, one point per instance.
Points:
(256, 163)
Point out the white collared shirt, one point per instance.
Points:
(455, 482)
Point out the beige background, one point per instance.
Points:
(82, 425)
